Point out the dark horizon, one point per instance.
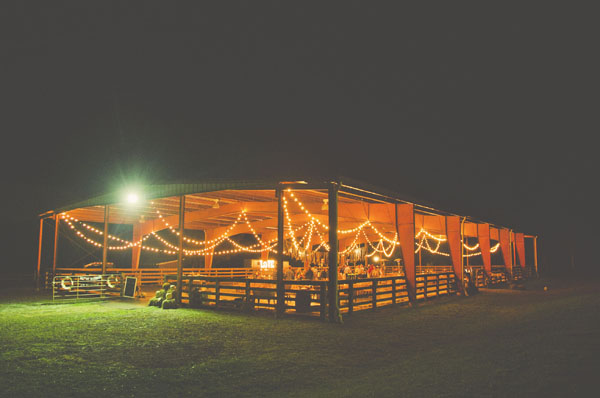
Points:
(484, 112)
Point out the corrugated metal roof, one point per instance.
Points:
(177, 189)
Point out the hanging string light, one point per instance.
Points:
(266, 246)
(424, 242)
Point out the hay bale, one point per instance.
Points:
(170, 300)
(158, 298)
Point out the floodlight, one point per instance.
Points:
(132, 198)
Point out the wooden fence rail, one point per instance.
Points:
(309, 297)
(153, 276)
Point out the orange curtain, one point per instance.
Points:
(505, 247)
(453, 234)
(483, 234)
(406, 234)
(494, 233)
(520, 244)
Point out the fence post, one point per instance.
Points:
(350, 297)
(190, 288)
(247, 291)
(217, 293)
(322, 298)
(374, 290)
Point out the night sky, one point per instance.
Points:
(484, 111)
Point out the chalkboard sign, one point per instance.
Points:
(130, 284)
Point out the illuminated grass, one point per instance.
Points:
(521, 343)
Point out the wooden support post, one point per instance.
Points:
(39, 262)
(190, 288)
(55, 254)
(180, 246)
(280, 307)
(535, 262)
(462, 251)
(322, 299)
(514, 252)
(350, 297)
(217, 293)
(136, 251)
(334, 309)
(374, 293)
(405, 217)
(264, 255)
(247, 291)
(208, 257)
(393, 291)
(105, 242)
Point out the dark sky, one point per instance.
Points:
(484, 110)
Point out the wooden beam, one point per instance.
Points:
(180, 253)
(535, 260)
(280, 309)
(55, 252)
(136, 251)
(39, 262)
(332, 288)
(105, 242)
(208, 257)
(514, 252)
(406, 234)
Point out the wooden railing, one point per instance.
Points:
(362, 294)
(309, 297)
(155, 276)
(433, 285)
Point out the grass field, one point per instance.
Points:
(495, 344)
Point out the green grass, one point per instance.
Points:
(498, 343)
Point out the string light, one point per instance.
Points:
(301, 246)
(471, 248)
(357, 230)
(424, 235)
(495, 248)
(268, 246)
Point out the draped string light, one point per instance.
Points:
(301, 246)
(380, 248)
(69, 220)
(495, 248)
(424, 242)
(204, 242)
(470, 248)
(266, 246)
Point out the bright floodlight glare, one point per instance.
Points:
(132, 198)
(376, 258)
